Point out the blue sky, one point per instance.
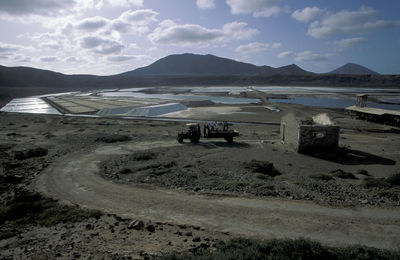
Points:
(113, 36)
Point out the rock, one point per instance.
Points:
(34, 152)
(151, 228)
(136, 224)
(196, 239)
(364, 202)
(188, 234)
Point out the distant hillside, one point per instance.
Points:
(353, 69)
(292, 69)
(194, 64)
(186, 70)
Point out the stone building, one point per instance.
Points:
(309, 135)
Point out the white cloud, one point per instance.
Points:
(259, 8)
(364, 20)
(349, 42)
(8, 48)
(134, 21)
(205, 4)
(48, 59)
(92, 23)
(306, 56)
(50, 45)
(126, 3)
(256, 47)
(169, 32)
(101, 45)
(238, 31)
(285, 54)
(307, 14)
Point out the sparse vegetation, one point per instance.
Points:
(339, 173)
(375, 183)
(363, 172)
(34, 152)
(322, 177)
(262, 167)
(32, 208)
(113, 138)
(283, 249)
(144, 156)
(394, 179)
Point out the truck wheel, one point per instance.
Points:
(180, 140)
(229, 139)
(195, 139)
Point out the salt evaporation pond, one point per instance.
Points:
(220, 100)
(29, 105)
(331, 102)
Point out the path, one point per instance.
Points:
(73, 178)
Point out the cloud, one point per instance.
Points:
(205, 4)
(364, 20)
(48, 59)
(238, 31)
(169, 32)
(285, 54)
(101, 45)
(36, 7)
(307, 56)
(134, 21)
(256, 47)
(125, 3)
(184, 34)
(50, 45)
(9, 48)
(259, 8)
(71, 59)
(349, 42)
(307, 14)
(121, 58)
(92, 23)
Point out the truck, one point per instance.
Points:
(210, 130)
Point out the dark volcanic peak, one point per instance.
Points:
(292, 69)
(194, 64)
(353, 69)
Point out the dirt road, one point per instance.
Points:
(74, 179)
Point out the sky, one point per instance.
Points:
(106, 37)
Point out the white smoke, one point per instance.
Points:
(322, 119)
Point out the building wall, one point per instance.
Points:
(290, 131)
(313, 138)
(308, 138)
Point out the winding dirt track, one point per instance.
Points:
(73, 179)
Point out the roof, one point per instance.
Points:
(373, 111)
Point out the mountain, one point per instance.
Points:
(353, 69)
(194, 64)
(292, 69)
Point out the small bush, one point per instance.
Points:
(375, 183)
(263, 167)
(394, 179)
(322, 177)
(342, 174)
(113, 138)
(362, 172)
(283, 249)
(32, 208)
(144, 156)
(34, 152)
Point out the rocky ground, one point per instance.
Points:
(362, 173)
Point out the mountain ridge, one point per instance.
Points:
(353, 69)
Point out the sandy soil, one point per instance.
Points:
(207, 190)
